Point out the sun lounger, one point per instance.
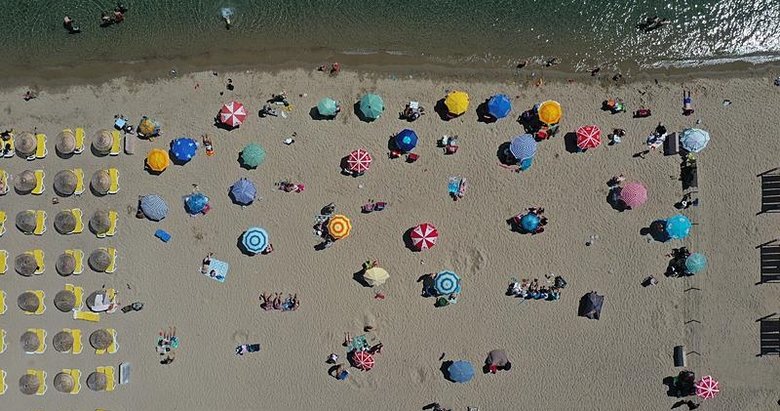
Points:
(41, 302)
(78, 214)
(76, 375)
(11, 147)
(78, 292)
(770, 336)
(770, 193)
(110, 377)
(41, 333)
(40, 150)
(39, 259)
(114, 175)
(41, 374)
(770, 263)
(76, 334)
(3, 218)
(113, 218)
(129, 144)
(113, 348)
(86, 316)
(39, 187)
(124, 373)
(79, 141)
(220, 268)
(672, 145)
(79, 181)
(3, 386)
(3, 307)
(116, 145)
(4, 179)
(78, 255)
(40, 222)
(111, 252)
(3, 262)
(3, 346)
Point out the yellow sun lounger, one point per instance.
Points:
(39, 187)
(78, 214)
(78, 292)
(41, 374)
(4, 179)
(2, 341)
(3, 307)
(111, 252)
(76, 375)
(113, 348)
(86, 316)
(39, 260)
(3, 262)
(114, 175)
(110, 377)
(40, 222)
(79, 141)
(40, 150)
(3, 218)
(41, 303)
(3, 386)
(78, 255)
(116, 144)
(113, 218)
(76, 334)
(41, 333)
(79, 181)
(11, 148)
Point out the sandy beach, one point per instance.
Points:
(561, 361)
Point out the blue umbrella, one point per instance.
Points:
(196, 203)
(523, 147)
(695, 263)
(154, 207)
(255, 240)
(460, 371)
(183, 149)
(406, 140)
(499, 106)
(678, 227)
(694, 139)
(446, 282)
(243, 191)
(529, 222)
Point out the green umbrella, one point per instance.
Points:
(252, 155)
(327, 107)
(371, 106)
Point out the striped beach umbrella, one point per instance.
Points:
(183, 149)
(255, 240)
(243, 191)
(523, 147)
(707, 387)
(363, 360)
(157, 160)
(633, 194)
(678, 227)
(457, 102)
(154, 207)
(339, 226)
(550, 112)
(694, 139)
(446, 282)
(232, 114)
(359, 161)
(499, 106)
(406, 140)
(588, 137)
(424, 236)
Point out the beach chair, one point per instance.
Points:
(4, 179)
(41, 375)
(78, 292)
(78, 255)
(770, 193)
(116, 144)
(39, 187)
(770, 262)
(2, 341)
(124, 373)
(113, 218)
(79, 141)
(40, 222)
(672, 144)
(41, 333)
(3, 386)
(3, 218)
(110, 377)
(86, 316)
(114, 175)
(77, 346)
(129, 144)
(113, 348)
(112, 252)
(11, 148)
(3, 262)
(40, 150)
(79, 181)
(3, 307)
(41, 302)
(76, 375)
(39, 259)
(770, 336)
(78, 214)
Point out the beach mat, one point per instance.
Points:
(220, 267)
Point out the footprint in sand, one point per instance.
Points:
(240, 336)
(471, 260)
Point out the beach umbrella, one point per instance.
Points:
(252, 155)
(694, 139)
(30, 342)
(243, 191)
(372, 106)
(359, 161)
(590, 305)
(28, 302)
(446, 282)
(99, 222)
(255, 240)
(550, 112)
(66, 264)
(588, 137)
(499, 106)
(66, 142)
(523, 147)
(157, 160)
(100, 182)
(707, 387)
(327, 107)
(678, 227)
(183, 149)
(100, 339)
(65, 182)
(363, 360)
(147, 127)
(64, 222)
(154, 207)
(695, 263)
(232, 114)
(64, 383)
(406, 140)
(424, 236)
(25, 181)
(99, 260)
(25, 221)
(62, 341)
(25, 265)
(633, 195)
(460, 371)
(530, 222)
(457, 102)
(65, 300)
(29, 384)
(103, 141)
(375, 276)
(97, 381)
(339, 226)
(498, 358)
(25, 144)
(196, 202)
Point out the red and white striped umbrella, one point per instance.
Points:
(707, 387)
(232, 114)
(588, 137)
(363, 360)
(424, 236)
(359, 161)
(633, 194)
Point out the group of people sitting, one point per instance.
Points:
(372, 206)
(539, 212)
(276, 302)
(167, 342)
(532, 290)
(290, 187)
(412, 111)
(676, 267)
(321, 225)
(115, 17)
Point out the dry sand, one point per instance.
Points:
(561, 361)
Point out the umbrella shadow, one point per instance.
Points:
(445, 365)
(656, 230)
(240, 245)
(613, 199)
(428, 285)
(222, 126)
(441, 109)
(483, 116)
(64, 155)
(95, 152)
(314, 113)
(408, 243)
(530, 121)
(514, 226)
(359, 113)
(504, 155)
(570, 140)
(344, 164)
(150, 171)
(358, 277)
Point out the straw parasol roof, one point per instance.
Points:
(65, 182)
(97, 381)
(25, 264)
(28, 301)
(25, 144)
(66, 264)
(64, 222)
(64, 383)
(25, 181)
(101, 181)
(30, 342)
(100, 339)
(62, 341)
(29, 384)
(66, 142)
(99, 260)
(100, 222)
(25, 221)
(103, 141)
(65, 300)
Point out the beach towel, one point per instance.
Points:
(247, 348)
(358, 343)
(453, 185)
(220, 268)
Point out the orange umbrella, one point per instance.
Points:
(550, 112)
(157, 160)
(339, 226)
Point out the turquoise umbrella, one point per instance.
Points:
(695, 263)
(678, 227)
(372, 106)
(252, 155)
(328, 107)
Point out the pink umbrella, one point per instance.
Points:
(363, 360)
(359, 161)
(707, 387)
(424, 236)
(232, 114)
(633, 194)
(588, 137)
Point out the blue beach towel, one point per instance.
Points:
(220, 267)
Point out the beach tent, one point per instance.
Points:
(327, 107)
(157, 160)
(457, 102)
(372, 106)
(183, 149)
(232, 114)
(523, 148)
(694, 139)
(529, 222)
(460, 371)
(446, 282)
(499, 106)
(339, 226)
(678, 227)
(588, 137)
(707, 387)
(359, 161)
(154, 207)
(633, 195)
(406, 140)
(375, 276)
(362, 360)
(196, 203)
(550, 112)
(424, 236)
(590, 305)
(695, 263)
(252, 155)
(255, 240)
(243, 192)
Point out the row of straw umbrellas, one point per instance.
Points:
(25, 143)
(65, 182)
(29, 384)
(65, 221)
(63, 341)
(65, 300)
(99, 260)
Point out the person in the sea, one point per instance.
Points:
(70, 25)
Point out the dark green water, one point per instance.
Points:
(499, 33)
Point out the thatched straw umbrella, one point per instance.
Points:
(30, 342)
(29, 384)
(64, 222)
(100, 339)
(25, 264)
(97, 381)
(66, 264)
(64, 383)
(66, 142)
(28, 302)
(65, 182)
(65, 300)
(99, 260)
(62, 341)
(100, 182)
(25, 181)
(99, 222)
(25, 144)
(25, 221)
(103, 141)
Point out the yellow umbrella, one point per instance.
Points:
(157, 160)
(457, 102)
(339, 226)
(146, 127)
(550, 112)
(375, 276)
